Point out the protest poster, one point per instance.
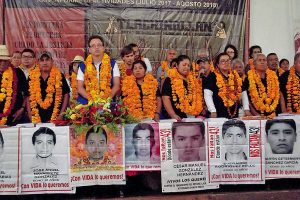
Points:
(183, 157)
(282, 146)
(45, 160)
(97, 157)
(9, 160)
(235, 152)
(142, 147)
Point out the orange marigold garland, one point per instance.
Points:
(293, 91)
(122, 69)
(54, 85)
(140, 108)
(73, 83)
(8, 85)
(280, 71)
(164, 68)
(230, 90)
(264, 99)
(187, 100)
(97, 89)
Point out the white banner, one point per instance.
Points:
(282, 147)
(142, 147)
(183, 157)
(235, 152)
(45, 160)
(9, 160)
(97, 157)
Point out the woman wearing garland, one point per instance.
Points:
(223, 90)
(49, 91)
(290, 88)
(262, 86)
(141, 94)
(13, 91)
(181, 91)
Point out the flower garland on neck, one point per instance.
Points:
(264, 99)
(140, 108)
(8, 85)
(230, 90)
(187, 100)
(122, 68)
(54, 87)
(97, 89)
(164, 68)
(74, 86)
(293, 91)
(280, 71)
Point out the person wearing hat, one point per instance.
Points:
(49, 90)
(72, 76)
(13, 92)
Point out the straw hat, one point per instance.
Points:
(78, 59)
(4, 55)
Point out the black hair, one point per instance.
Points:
(139, 62)
(95, 37)
(282, 60)
(29, 51)
(236, 53)
(93, 130)
(126, 50)
(132, 45)
(145, 126)
(1, 139)
(271, 122)
(180, 58)
(251, 49)
(173, 61)
(175, 125)
(233, 123)
(297, 55)
(271, 54)
(217, 59)
(43, 130)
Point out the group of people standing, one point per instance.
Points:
(39, 92)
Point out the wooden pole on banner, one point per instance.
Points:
(247, 32)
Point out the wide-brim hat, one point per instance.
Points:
(4, 54)
(78, 59)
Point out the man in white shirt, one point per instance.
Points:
(96, 50)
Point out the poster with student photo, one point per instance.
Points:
(183, 158)
(235, 152)
(45, 160)
(282, 144)
(142, 147)
(9, 160)
(97, 156)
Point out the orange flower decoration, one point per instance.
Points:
(187, 100)
(164, 68)
(140, 108)
(54, 86)
(6, 92)
(97, 89)
(293, 91)
(73, 82)
(264, 99)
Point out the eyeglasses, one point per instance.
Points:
(224, 61)
(27, 57)
(96, 46)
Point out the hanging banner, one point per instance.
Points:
(235, 152)
(97, 157)
(45, 160)
(154, 25)
(183, 160)
(296, 23)
(282, 147)
(9, 160)
(142, 147)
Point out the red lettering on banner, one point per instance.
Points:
(254, 145)
(87, 177)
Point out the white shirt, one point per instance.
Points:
(148, 64)
(116, 72)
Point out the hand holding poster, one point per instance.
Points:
(142, 147)
(183, 161)
(235, 152)
(45, 156)
(282, 148)
(9, 160)
(97, 157)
